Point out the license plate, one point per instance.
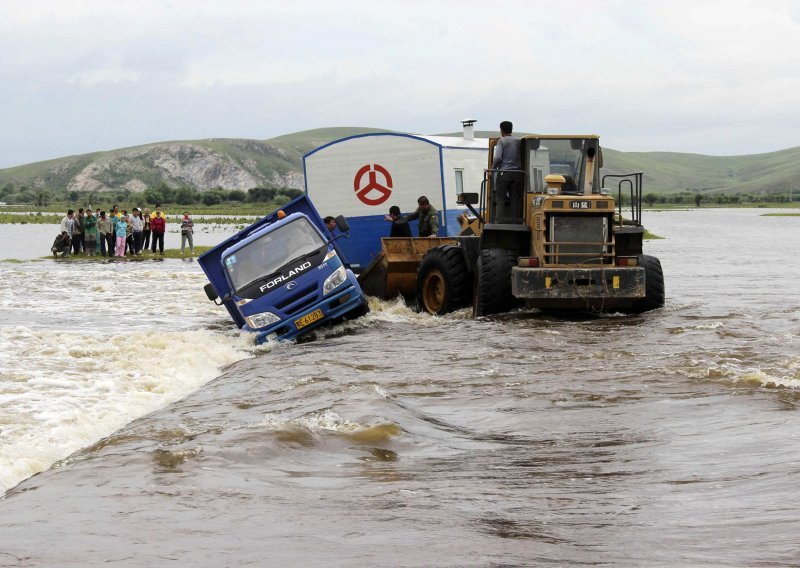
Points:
(579, 205)
(308, 319)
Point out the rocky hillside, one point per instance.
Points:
(202, 165)
(243, 164)
(199, 164)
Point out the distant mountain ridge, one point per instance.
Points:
(277, 162)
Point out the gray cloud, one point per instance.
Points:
(703, 76)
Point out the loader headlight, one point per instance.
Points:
(334, 280)
(262, 319)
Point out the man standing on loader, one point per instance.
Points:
(506, 159)
(428, 218)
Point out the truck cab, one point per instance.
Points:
(284, 275)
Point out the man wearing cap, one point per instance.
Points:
(428, 218)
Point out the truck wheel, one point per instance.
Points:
(653, 285)
(361, 310)
(443, 281)
(493, 286)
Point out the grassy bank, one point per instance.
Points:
(40, 218)
(60, 207)
(146, 255)
(688, 207)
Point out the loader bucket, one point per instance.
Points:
(394, 270)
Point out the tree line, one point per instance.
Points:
(161, 193)
(697, 199)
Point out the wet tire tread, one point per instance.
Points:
(449, 260)
(493, 288)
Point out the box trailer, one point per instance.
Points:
(362, 176)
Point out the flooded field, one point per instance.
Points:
(137, 426)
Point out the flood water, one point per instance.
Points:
(162, 435)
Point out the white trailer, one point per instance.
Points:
(362, 176)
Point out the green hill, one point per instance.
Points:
(277, 162)
(673, 172)
(197, 164)
(667, 172)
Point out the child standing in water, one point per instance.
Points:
(121, 232)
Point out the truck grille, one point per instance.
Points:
(578, 239)
(298, 300)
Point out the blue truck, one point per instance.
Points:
(284, 275)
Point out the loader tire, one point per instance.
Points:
(653, 285)
(493, 282)
(443, 281)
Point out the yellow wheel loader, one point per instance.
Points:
(565, 242)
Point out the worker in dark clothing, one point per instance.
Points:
(330, 223)
(507, 197)
(428, 218)
(400, 226)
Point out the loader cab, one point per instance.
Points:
(577, 158)
(552, 165)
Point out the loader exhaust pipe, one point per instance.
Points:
(588, 180)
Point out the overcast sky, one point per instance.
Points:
(712, 77)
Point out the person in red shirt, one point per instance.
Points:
(158, 226)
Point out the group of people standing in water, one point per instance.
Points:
(117, 233)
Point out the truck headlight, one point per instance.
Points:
(334, 280)
(262, 319)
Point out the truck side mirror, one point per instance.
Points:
(342, 224)
(210, 292)
(467, 198)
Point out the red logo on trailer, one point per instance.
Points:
(367, 193)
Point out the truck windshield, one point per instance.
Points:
(268, 253)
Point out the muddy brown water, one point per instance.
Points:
(667, 439)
